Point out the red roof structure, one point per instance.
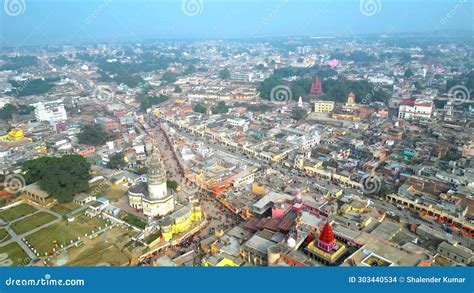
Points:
(327, 236)
(316, 88)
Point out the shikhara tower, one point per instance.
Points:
(153, 197)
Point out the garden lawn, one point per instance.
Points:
(31, 222)
(16, 212)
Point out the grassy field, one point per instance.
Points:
(4, 235)
(31, 222)
(63, 232)
(16, 212)
(13, 255)
(64, 208)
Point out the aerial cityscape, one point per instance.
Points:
(296, 148)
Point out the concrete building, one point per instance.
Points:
(52, 111)
(323, 106)
(418, 109)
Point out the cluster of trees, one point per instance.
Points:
(169, 77)
(178, 89)
(148, 102)
(254, 108)
(31, 87)
(92, 134)
(299, 114)
(18, 62)
(116, 161)
(123, 77)
(337, 90)
(61, 61)
(200, 108)
(220, 108)
(224, 73)
(61, 177)
(134, 221)
(299, 87)
(171, 184)
(356, 56)
(9, 110)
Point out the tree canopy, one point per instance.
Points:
(299, 114)
(61, 177)
(224, 73)
(150, 101)
(116, 161)
(92, 134)
(200, 108)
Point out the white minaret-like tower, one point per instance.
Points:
(156, 177)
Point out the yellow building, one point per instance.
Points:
(219, 260)
(13, 135)
(181, 220)
(323, 106)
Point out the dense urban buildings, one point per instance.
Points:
(297, 151)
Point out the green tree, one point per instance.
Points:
(178, 89)
(150, 101)
(61, 177)
(116, 161)
(169, 77)
(224, 73)
(220, 108)
(408, 73)
(92, 134)
(200, 108)
(299, 114)
(171, 184)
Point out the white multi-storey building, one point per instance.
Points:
(418, 109)
(52, 111)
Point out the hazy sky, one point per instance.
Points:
(25, 22)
